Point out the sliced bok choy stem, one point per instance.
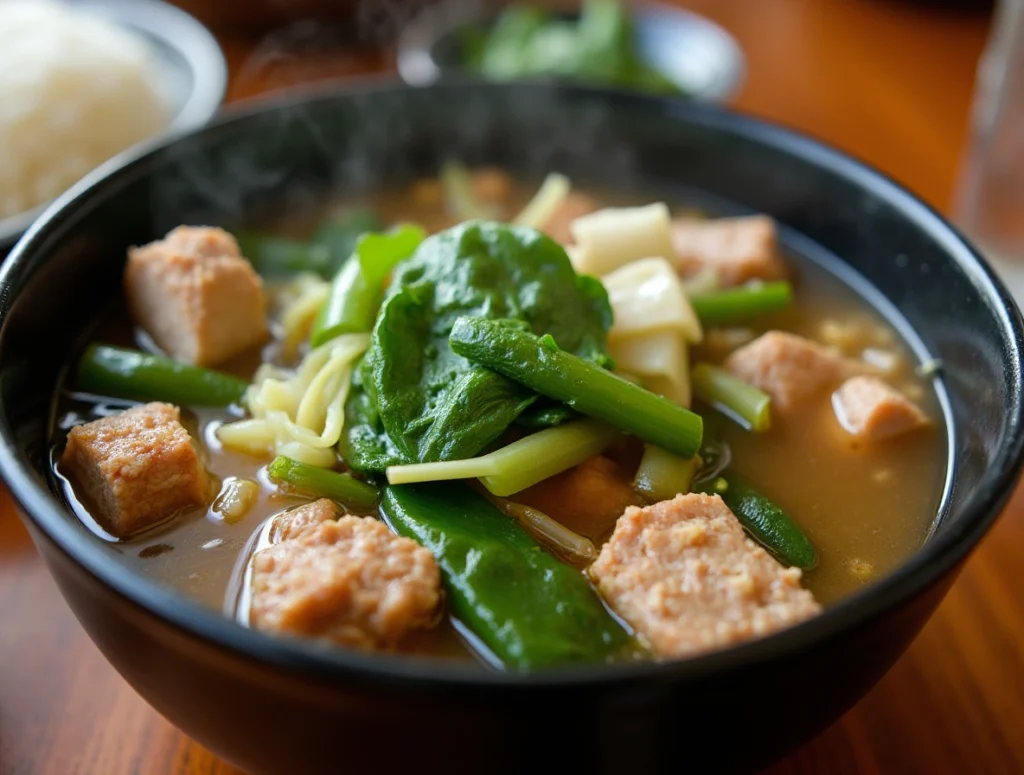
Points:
(587, 388)
(730, 304)
(740, 400)
(457, 184)
(615, 236)
(572, 546)
(545, 202)
(323, 483)
(520, 464)
(662, 475)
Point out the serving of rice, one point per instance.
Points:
(74, 91)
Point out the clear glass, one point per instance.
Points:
(990, 199)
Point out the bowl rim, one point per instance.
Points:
(172, 27)
(939, 555)
(417, 64)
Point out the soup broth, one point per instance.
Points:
(865, 507)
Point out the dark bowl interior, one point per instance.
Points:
(277, 706)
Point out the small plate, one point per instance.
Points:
(192, 68)
(691, 50)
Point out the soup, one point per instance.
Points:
(441, 435)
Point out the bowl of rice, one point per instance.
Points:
(80, 83)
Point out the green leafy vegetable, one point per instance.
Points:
(599, 48)
(358, 287)
(414, 400)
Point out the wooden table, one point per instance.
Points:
(889, 82)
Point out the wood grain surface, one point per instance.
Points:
(887, 81)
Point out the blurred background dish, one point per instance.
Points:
(182, 57)
(648, 47)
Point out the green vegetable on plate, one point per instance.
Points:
(116, 371)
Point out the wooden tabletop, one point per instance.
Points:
(887, 81)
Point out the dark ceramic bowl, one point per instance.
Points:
(278, 706)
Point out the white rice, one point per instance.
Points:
(74, 91)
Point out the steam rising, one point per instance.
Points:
(311, 147)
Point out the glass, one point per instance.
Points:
(990, 200)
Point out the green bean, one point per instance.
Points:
(733, 397)
(358, 288)
(528, 608)
(763, 519)
(540, 365)
(115, 371)
(729, 304)
(324, 483)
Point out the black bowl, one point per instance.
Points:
(272, 705)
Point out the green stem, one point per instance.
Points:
(730, 304)
(322, 482)
(662, 476)
(740, 400)
(591, 390)
(115, 371)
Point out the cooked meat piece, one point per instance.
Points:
(872, 410)
(196, 295)
(572, 207)
(788, 367)
(738, 249)
(136, 468)
(293, 523)
(685, 576)
(350, 581)
(492, 185)
(586, 499)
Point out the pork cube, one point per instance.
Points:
(788, 367)
(736, 249)
(870, 409)
(586, 499)
(293, 523)
(574, 206)
(196, 295)
(352, 582)
(686, 577)
(137, 468)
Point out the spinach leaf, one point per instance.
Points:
(417, 401)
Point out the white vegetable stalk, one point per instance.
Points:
(647, 295)
(545, 202)
(616, 236)
(660, 359)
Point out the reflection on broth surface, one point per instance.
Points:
(865, 505)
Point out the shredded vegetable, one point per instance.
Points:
(545, 202)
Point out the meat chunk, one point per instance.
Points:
(788, 367)
(293, 523)
(196, 295)
(574, 206)
(586, 499)
(684, 575)
(870, 409)
(352, 582)
(137, 468)
(736, 249)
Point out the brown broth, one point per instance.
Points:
(866, 510)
